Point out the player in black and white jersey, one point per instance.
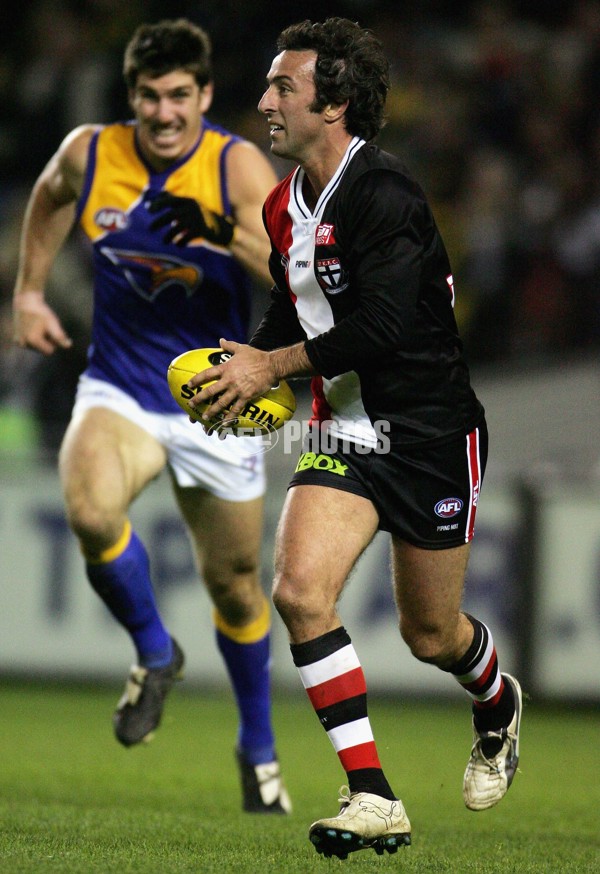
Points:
(363, 303)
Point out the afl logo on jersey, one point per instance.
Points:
(448, 507)
(110, 219)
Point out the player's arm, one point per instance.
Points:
(279, 325)
(250, 177)
(48, 220)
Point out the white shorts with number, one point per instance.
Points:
(232, 469)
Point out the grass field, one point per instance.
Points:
(73, 800)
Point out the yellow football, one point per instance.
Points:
(261, 415)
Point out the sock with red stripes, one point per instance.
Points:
(478, 673)
(335, 683)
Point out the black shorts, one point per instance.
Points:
(426, 496)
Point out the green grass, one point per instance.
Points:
(73, 800)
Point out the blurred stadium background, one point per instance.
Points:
(494, 106)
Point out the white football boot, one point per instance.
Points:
(486, 781)
(364, 821)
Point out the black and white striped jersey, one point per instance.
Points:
(365, 280)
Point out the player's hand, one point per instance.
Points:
(36, 325)
(246, 375)
(187, 219)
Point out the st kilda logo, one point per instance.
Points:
(448, 508)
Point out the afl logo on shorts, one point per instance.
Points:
(448, 507)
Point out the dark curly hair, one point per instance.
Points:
(157, 49)
(351, 65)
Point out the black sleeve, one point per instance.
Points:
(384, 222)
(279, 325)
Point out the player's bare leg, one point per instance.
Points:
(322, 533)
(227, 537)
(429, 586)
(315, 553)
(105, 462)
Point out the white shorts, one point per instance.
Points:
(232, 469)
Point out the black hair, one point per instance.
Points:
(351, 65)
(157, 49)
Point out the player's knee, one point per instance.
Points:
(427, 644)
(96, 528)
(294, 598)
(234, 588)
(224, 573)
(282, 596)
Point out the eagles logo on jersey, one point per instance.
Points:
(148, 275)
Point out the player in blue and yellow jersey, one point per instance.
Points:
(172, 206)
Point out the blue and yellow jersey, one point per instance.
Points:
(152, 300)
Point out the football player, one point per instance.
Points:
(171, 204)
(363, 303)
